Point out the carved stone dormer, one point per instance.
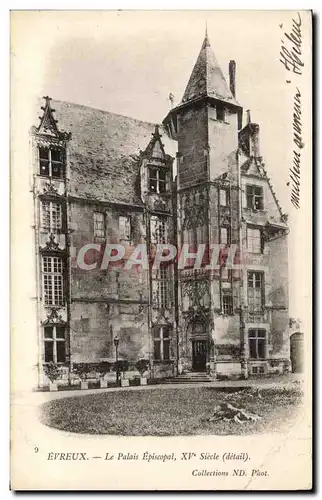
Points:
(48, 124)
(51, 246)
(156, 174)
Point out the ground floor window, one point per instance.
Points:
(55, 344)
(257, 343)
(161, 337)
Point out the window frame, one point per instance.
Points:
(227, 308)
(129, 222)
(221, 116)
(228, 234)
(52, 281)
(254, 197)
(156, 178)
(158, 230)
(51, 227)
(261, 287)
(54, 340)
(103, 222)
(255, 339)
(250, 241)
(226, 191)
(51, 163)
(161, 340)
(160, 283)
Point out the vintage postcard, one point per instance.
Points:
(161, 170)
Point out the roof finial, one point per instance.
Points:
(171, 99)
(206, 40)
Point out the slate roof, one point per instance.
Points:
(104, 151)
(207, 78)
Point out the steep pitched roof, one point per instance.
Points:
(207, 79)
(104, 151)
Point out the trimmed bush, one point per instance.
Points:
(142, 366)
(52, 371)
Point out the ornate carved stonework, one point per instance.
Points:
(51, 244)
(194, 208)
(49, 188)
(48, 127)
(195, 290)
(195, 317)
(54, 318)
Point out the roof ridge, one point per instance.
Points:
(106, 112)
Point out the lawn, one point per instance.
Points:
(172, 412)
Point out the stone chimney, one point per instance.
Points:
(232, 77)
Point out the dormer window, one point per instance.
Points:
(255, 198)
(51, 163)
(157, 180)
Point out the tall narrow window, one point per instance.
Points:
(220, 112)
(160, 288)
(99, 225)
(161, 336)
(52, 280)
(227, 303)
(223, 197)
(51, 162)
(255, 292)
(257, 343)
(225, 235)
(55, 344)
(163, 288)
(255, 199)
(162, 181)
(158, 229)
(254, 240)
(124, 228)
(51, 215)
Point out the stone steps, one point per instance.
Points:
(188, 378)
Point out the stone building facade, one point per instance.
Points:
(196, 179)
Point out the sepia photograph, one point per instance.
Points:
(161, 250)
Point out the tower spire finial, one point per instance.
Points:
(206, 40)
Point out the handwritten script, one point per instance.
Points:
(291, 58)
(291, 50)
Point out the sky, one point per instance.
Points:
(128, 62)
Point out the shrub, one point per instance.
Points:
(121, 366)
(52, 371)
(81, 370)
(142, 366)
(104, 367)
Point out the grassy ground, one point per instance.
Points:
(169, 412)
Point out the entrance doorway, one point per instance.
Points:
(199, 355)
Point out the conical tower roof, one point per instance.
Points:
(207, 79)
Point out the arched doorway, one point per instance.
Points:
(297, 352)
(199, 340)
